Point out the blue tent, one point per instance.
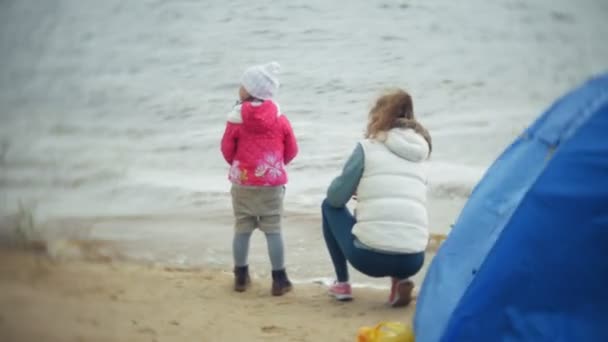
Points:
(527, 259)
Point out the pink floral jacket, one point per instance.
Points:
(258, 142)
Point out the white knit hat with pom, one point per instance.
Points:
(261, 81)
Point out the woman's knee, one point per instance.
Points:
(327, 210)
(325, 205)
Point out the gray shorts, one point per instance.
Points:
(257, 207)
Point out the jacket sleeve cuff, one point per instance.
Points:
(234, 116)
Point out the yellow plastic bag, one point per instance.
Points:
(386, 332)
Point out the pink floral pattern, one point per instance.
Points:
(270, 168)
(235, 174)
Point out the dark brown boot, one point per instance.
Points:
(401, 292)
(280, 283)
(241, 278)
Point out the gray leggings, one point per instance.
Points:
(240, 249)
(258, 208)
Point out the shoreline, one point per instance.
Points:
(192, 242)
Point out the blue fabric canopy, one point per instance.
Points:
(527, 259)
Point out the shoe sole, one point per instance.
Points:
(341, 297)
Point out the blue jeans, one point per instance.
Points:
(337, 229)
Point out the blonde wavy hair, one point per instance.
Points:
(394, 110)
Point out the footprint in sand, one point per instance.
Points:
(272, 329)
(147, 331)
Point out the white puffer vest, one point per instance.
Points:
(391, 198)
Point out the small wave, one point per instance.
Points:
(303, 7)
(390, 38)
(314, 31)
(563, 17)
(453, 180)
(387, 6)
(272, 34)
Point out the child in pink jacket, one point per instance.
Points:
(258, 143)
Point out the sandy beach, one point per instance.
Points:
(43, 299)
(111, 115)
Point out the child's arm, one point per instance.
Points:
(230, 141)
(231, 134)
(290, 143)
